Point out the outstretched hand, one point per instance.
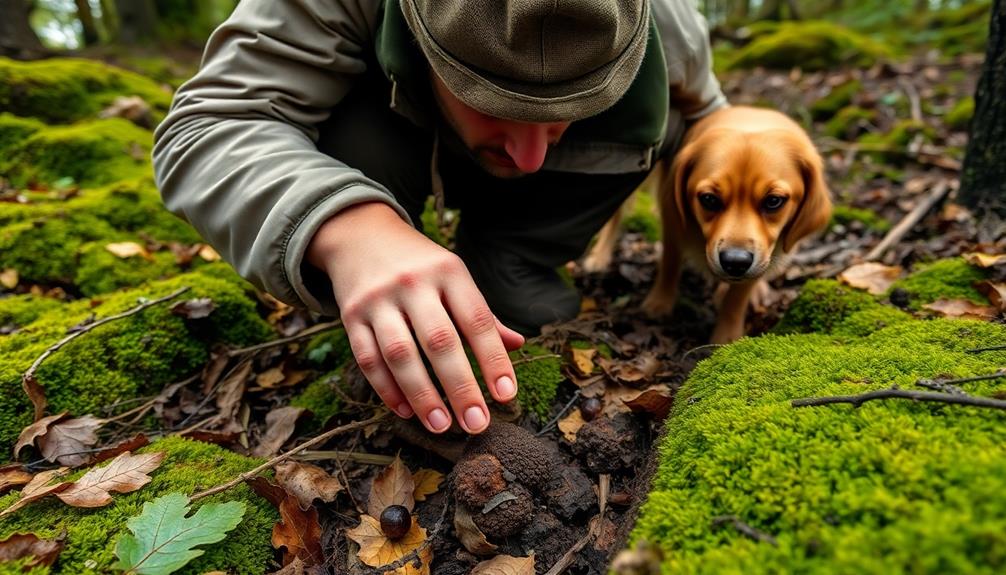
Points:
(394, 287)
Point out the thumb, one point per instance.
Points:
(511, 339)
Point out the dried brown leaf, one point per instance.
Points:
(38, 488)
(9, 278)
(570, 424)
(280, 425)
(132, 444)
(873, 277)
(209, 254)
(13, 475)
(961, 308)
(127, 250)
(377, 550)
(28, 545)
(984, 260)
(470, 535)
(126, 473)
(271, 377)
(34, 431)
(232, 390)
(656, 402)
(307, 482)
(298, 530)
(638, 370)
(583, 361)
(35, 393)
(196, 308)
(505, 565)
(66, 440)
(393, 486)
(427, 483)
(996, 292)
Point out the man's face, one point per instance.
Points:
(504, 148)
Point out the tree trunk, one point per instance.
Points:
(110, 21)
(983, 178)
(17, 39)
(137, 21)
(87, 22)
(794, 11)
(771, 10)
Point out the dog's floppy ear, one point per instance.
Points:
(815, 209)
(676, 194)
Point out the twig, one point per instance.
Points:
(949, 385)
(603, 486)
(913, 98)
(565, 408)
(414, 555)
(745, 529)
(535, 358)
(313, 330)
(984, 349)
(701, 347)
(142, 409)
(913, 217)
(28, 379)
(358, 457)
(284, 456)
(895, 393)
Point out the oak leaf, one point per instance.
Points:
(25, 545)
(393, 486)
(298, 530)
(377, 550)
(427, 482)
(505, 565)
(871, 276)
(307, 482)
(13, 475)
(38, 488)
(34, 431)
(124, 474)
(67, 440)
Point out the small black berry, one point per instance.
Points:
(590, 408)
(395, 521)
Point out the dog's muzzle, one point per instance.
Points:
(736, 262)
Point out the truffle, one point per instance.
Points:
(509, 517)
(520, 452)
(477, 479)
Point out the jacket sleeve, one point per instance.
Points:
(236, 155)
(694, 90)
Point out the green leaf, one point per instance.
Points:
(163, 537)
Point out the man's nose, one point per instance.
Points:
(527, 145)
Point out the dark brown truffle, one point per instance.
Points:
(507, 518)
(520, 452)
(477, 479)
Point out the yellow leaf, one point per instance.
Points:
(127, 249)
(871, 276)
(393, 486)
(505, 565)
(427, 483)
(209, 254)
(9, 278)
(583, 361)
(570, 424)
(985, 260)
(377, 550)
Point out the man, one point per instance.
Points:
(307, 144)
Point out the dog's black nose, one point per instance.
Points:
(736, 262)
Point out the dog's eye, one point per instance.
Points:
(711, 202)
(773, 203)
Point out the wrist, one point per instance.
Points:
(345, 227)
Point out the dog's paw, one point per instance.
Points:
(658, 305)
(597, 261)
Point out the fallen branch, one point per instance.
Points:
(896, 393)
(535, 358)
(913, 217)
(984, 349)
(949, 385)
(284, 456)
(28, 380)
(357, 456)
(603, 486)
(745, 529)
(313, 330)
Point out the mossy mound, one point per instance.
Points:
(950, 278)
(126, 358)
(539, 374)
(91, 153)
(328, 350)
(190, 466)
(848, 122)
(838, 98)
(64, 90)
(959, 117)
(886, 147)
(320, 398)
(842, 490)
(811, 45)
(845, 215)
(822, 306)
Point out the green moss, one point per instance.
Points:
(959, 117)
(99, 271)
(950, 278)
(328, 350)
(811, 45)
(538, 378)
(847, 122)
(870, 319)
(92, 153)
(190, 466)
(63, 90)
(321, 398)
(822, 306)
(643, 218)
(126, 358)
(14, 130)
(838, 98)
(843, 490)
(20, 310)
(20, 567)
(845, 215)
(885, 146)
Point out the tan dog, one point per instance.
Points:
(745, 187)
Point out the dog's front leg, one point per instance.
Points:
(664, 293)
(733, 310)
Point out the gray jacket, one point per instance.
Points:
(236, 155)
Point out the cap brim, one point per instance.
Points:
(570, 100)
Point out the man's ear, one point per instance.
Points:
(815, 209)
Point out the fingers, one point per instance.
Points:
(481, 330)
(368, 357)
(441, 344)
(511, 339)
(398, 349)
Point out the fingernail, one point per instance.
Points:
(404, 410)
(438, 419)
(505, 387)
(475, 418)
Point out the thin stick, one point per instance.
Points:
(895, 393)
(565, 408)
(284, 456)
(28, 379)
(913, 217)
(984, 349)
(745, 529)
(701, 347)
(358, 457)
(535, 358)
(313, 330)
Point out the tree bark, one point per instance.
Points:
(17, 39)
(137, 21)
(110, 21)
(983, 178)
(87, 22)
